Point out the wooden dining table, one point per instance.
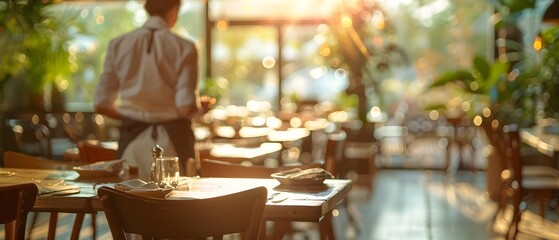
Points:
(545, 142)
(231, 152)
(313, 203)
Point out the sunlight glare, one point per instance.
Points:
(221, 24)
(317, 73)
(346, 21)
(268, 62)
(538, 44)
(434, 115)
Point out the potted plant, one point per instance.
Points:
(35, 57)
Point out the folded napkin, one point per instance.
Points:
(142, 188)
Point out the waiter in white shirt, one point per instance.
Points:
(149, 82)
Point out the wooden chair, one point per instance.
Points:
(15, 202)
(362, 144)
(461, 136)
(333, 154)
(184, 219)
(522, 185)
(91, 152)
(336, 157)
(20, 160)
(502, 151)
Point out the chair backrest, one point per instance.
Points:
(184, 219)
(91, 153)
(31, 138)
(15, 202)
(21, 160)
(216, 168)
(333, 153)
(494, 133)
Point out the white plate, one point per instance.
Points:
(84, 173)
(285, 177)
(101, 169)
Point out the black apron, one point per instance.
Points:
(179, 131)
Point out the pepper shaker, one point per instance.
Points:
(157, 152)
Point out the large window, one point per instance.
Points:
(96, 24)
(246, 57)
(265, 50)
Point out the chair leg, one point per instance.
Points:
(516, 216)
(32, 224)
(261, 233)
(94, 225)
(542, 200)
(353, 214)
(53, 220)
(77, 226)
(10, 230)
(504, 199)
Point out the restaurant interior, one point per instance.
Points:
(433, 119)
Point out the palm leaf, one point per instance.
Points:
(459, 76)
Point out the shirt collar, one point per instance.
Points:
(156, 22)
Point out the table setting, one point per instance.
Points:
(544, 137)
(48, 184)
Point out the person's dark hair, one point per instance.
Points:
(160, 7)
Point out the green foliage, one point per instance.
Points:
(214, 87)
(511, 7)
(515, 5)
(33, 44)
(515, 96)
(549, 72)
(489, 85)
(482, 78)
(347, 101)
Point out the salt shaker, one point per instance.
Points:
(157, 152)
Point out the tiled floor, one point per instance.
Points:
(422, 204)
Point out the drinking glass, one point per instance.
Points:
(167, 171)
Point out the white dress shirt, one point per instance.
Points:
(154, 71)
(148, 73)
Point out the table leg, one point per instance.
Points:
(326, 227)
(281, 228)
(10, 230)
